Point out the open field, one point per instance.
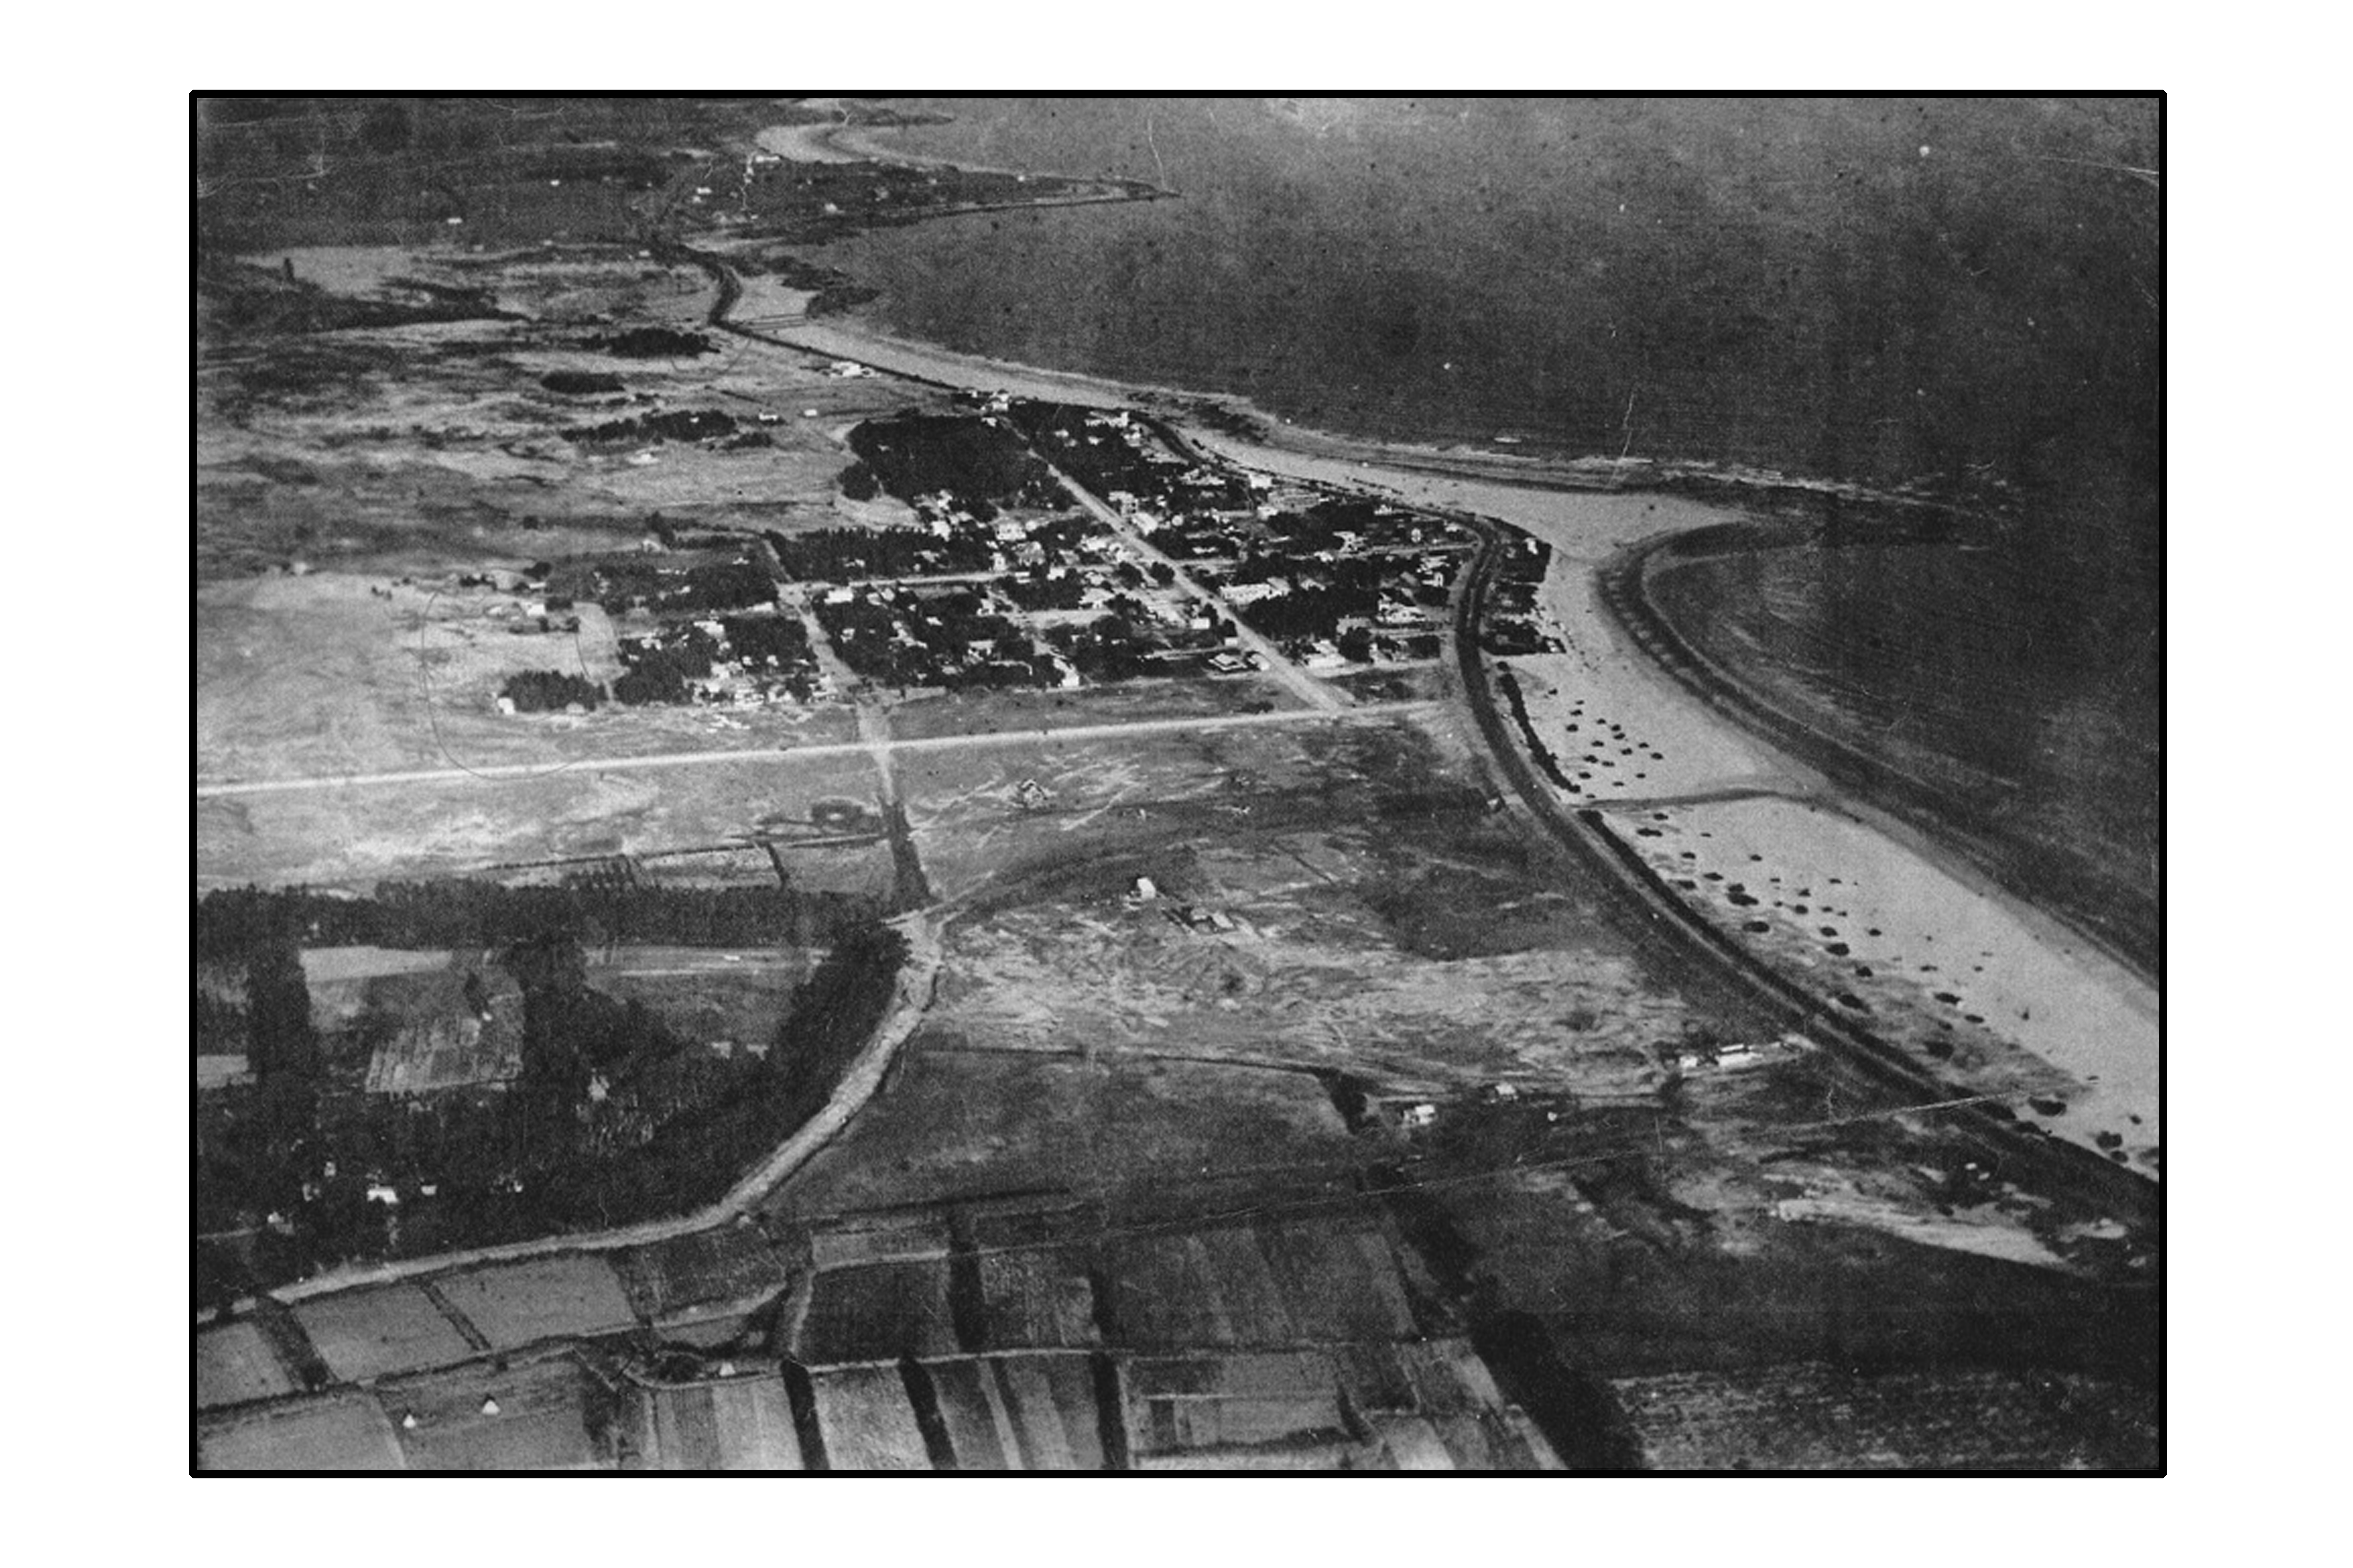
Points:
(235, 1364)
(1322, 1277)
(978, 825)
(326, 966)
(1239, 1400)
(342, 1431)
(866, 1421)
(532, 1415)
(878, 1312)
(1037, 1299)
(364, 1334)
(959, 1125)
(713, 1002)
(1126, 701)
(1019, 1413)
(354, 838)
(540, 1298)
(894, 1237)
(1327, 963)
(1341, 899)
(1805, 1416)
(320, 674)
(1393, 683)
(730, 1424)
(707, 1270)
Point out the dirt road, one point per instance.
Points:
(867, 748)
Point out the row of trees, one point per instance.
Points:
(234, 923)
(652, 343)
(844, 554)
(679, 425)
(550, 692)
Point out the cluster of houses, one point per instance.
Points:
(1010, 599)
(1340, 582)
(978, 595)
(1332, 610)
(747, 661)
(944, 636)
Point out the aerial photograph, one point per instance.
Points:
(1220, 784)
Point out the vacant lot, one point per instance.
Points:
(1307, 970)
(961, 1125)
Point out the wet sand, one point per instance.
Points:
(814, 143)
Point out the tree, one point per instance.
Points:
(555, 1078)
(281, 1043)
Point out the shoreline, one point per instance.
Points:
(1319, 456)
(1869, 787)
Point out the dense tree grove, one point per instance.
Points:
(913, 455)
(459, 912)
(282, 1043)
(652, 343)
(580, 382)
(659, 673)
(833, 1013)
(221, 1027)
(758, 639)
(679, 425)
(1060, 431)
(550, 692)
(615, 1116)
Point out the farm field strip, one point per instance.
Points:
(828, 751)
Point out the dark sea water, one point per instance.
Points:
(2028, 716)
(1881, 290)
